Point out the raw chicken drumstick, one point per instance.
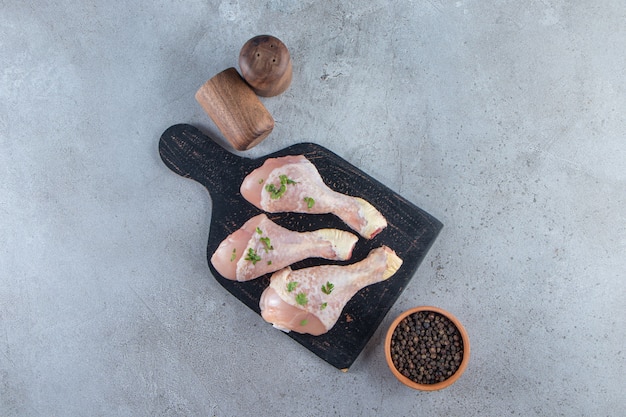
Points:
(310, 300)
(293, 184)
(261, 246)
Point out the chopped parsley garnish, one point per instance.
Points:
(252, 256)
(304, 322)
(323, 306)
(266, 243)
(259, 231)
(276, 193)
(291, 286)
(261, 181)
(301, 299)
(309, 202)
(269, 262)
(283, 178)
(328, 288)
(234, 254)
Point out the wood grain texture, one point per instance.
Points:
(265, 63)
(235, 109)
(410, 232)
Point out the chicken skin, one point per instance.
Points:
(310, 300)
(293, 184)
(261, 246)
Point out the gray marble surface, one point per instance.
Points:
(506, 120)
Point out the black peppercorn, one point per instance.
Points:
(426, 347)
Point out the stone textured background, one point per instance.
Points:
(506, 120)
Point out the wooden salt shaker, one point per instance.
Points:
(235, 109)
(265, 64)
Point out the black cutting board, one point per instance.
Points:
(410, 231)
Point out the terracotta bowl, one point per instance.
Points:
(438, 385)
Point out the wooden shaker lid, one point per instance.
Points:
(265, 64)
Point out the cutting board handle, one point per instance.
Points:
(191, 154)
